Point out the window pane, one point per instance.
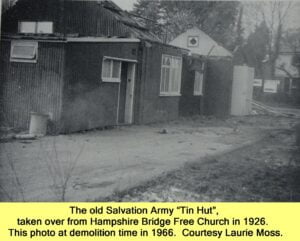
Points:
(45, 27)
(116, 69)
(163, 77)
(25, 52)
(106, 68)
(27, 27)
(166, 61)
(198, 83)
(173, 62)
(173, 80)
(170, 75)
(176, 84)
(167, 81)
(201, 84)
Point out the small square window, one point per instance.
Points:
(111, 70)
(24, 51)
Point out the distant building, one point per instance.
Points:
(200, 43)
(207, 74)
(286, 71)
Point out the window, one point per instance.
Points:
(111, 70)
(170, 82)
(27, 27)
(193, 41)
(24, 51)
(36, 27)
(198, 84)
(44, 27)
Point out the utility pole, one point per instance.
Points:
(0, 17)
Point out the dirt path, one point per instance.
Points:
(266, 171)
(98, 164)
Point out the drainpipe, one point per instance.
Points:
(0, 17)
(143, 77)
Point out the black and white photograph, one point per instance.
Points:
(149, 101)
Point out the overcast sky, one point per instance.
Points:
(293, 18)
(125, 4)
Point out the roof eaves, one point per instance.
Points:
(103, 40)
(31, 37)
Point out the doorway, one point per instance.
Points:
(126, 93)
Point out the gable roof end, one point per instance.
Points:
(206, 45)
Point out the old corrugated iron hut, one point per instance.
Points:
(86, 64)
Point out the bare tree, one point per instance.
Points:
(16, 190)
(60, 169)
(274, 15)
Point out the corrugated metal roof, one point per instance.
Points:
(139, 30)
(113, 20)
(80, 18)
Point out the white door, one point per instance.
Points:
(130, 93)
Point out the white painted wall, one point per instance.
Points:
(271, 86)
(242, 90)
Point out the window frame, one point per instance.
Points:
(14, 58)
(198, 92)
(36, 27)
(111, 79)
(20, 27)
(177, 69)
(44, 22)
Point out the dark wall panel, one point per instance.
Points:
(153, 107)
(189, 103)
(31, 87)
(88, 18)
(218, 87)
(88, 102)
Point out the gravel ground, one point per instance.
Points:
(268, 170)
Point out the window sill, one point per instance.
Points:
(169, 94)
(197, 94)
(111, 80)
(15, 60)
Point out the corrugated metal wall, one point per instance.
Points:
(218, 87)
(90, 19)
(32, 87)
(189, 103)
(154, 107)
(88, 101)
